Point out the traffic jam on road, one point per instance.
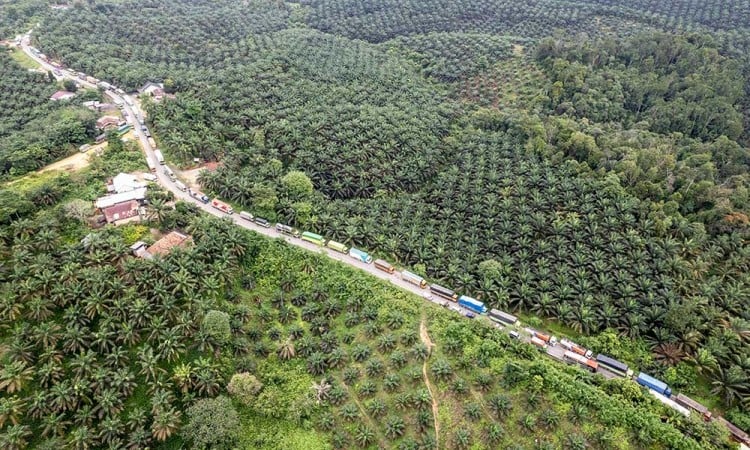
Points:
(562, 350)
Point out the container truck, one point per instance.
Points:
(444, 292)
(539, 343)
(286, 229)
(360, 255)
(159, 156)
(199, 195)
(652, 383)
(413, 278)
(313, 238)
(168, 172)
(670, 403)
(221, 206)
(551, 340)
(502, 317)
(575, 358)
(614, 366)
(338, 246)
(180, 185)
(151, 165)
(693, 405)
(573, 347)
(689, 403)
(152, 142)
(246, 215)
(472, 304)
(262, 222)
(385, 266)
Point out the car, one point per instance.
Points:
(427, 295)
(514, 334)
(470, 315)
(446, 304)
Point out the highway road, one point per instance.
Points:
(130, 105)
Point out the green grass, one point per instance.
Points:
(23, 59)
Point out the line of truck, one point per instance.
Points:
(573, 353)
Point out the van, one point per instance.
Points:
(246, 215)
(262, 222)
(514, 334)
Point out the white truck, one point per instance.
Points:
(170, 173)
(180, 185)
(159, 156)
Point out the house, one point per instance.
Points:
(155, 90)
(125, 182)
(123, 211)
(139, 250)
(111, 200)
(106, 122)
(171, 240)
(62, 95)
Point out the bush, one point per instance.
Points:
(216, 325)
(212, 423)
(244, 387)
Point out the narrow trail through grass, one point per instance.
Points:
(425, 337)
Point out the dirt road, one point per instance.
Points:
(425, 337)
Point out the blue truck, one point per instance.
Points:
(472, 304)
(654, 384)
(360, 255)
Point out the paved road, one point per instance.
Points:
(134, 112)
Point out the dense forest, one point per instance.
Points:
(585, 162)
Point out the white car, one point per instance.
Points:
(427, 295)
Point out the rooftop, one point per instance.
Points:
(171, 240)
(111, 200)
(62, 95)
(125, 182)
(121, 211)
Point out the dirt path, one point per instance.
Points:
(425, 337)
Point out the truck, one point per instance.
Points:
(502, 317)
(152, 142)
(413, 278)
(360, 255)
(128, 100)
(313, 238)
(221, 206)
(443, 292)
(551, 340)
(614, 366)
(385, 266)
(286, 229)
(170, 173)
(119, 103)
(689, 403)
(91, 79)
(123, 129)
(159, 156)
(151, 165)
(539, 343)
(654, 384)
(472, 304)
(105, 85)
(338, 246)
(247, 216)
(262, 222)
(198, 195)
(575, 348)
(670, 403)
(180, 185)
(575, 358)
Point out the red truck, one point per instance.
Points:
(221, 206)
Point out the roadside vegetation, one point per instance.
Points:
(583, 162)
